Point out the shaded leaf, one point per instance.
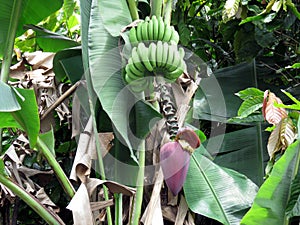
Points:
(8, 101)
(68, 62)
(273, 196)
(217, 192)
(50, 41)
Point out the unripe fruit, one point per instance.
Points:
(174, 162)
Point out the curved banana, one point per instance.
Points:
(145, 31)
(132, 35)
(165, 54)
(139, 31)
(159, 53)
(174, 37)
(161, 28)
(155, 27)
(168, 33)
(150, 30)
(171, 49)
(152, 54)
(143, 54)
(172, 76)
(134, 69)
(136, 60)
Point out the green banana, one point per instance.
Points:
(181, 52)
(155, 27)
(143, 54)
(133, 68)
(170, 59)
(161, 28)
(145, 31)
(150, 30)
(168, 33)
(136, 60)
(132, 35)
(165, 54)
(152, 54)
(174, 37)
(159, 52)
(139, 31)
(176, 73)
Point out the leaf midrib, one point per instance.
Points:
(211, 187)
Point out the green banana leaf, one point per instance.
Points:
(50, 41)
(241, 151)
(115, 15)
(8, 101)
(68, 62)
(49, 140)
(30, 12)
(216, 192)
(270, 204)
(215, 98)
(27, 118)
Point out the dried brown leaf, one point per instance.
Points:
(182, 211)
(80, 207)
(287, 133)
(281, 137)
(272, 113)
(45, 200)
(169, 213)
(152, 214)
(101, 205)
(114, 187)
(40, 59)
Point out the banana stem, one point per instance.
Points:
(56, 167)
(9, 42)
(133, 9)
(138, 200)
(293, 8)
(156, 6)
(168, 12)
(30, 200)
(118, 209)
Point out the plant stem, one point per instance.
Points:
(56, 167)
(1, 139)
(133, 9)
(137, 208)
(97, 142)
(30, 200)
(168, 12)
(138, 200)
(156, 6)
(9, 42)
(293, 8)
(118, 208)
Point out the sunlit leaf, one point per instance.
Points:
(116, 21)
(250, 106)
(48, 139)
(249, 93)
(273, 196)
(272, 113)
(217, 192)
(31, 12)
(230, 9)
(8, 101)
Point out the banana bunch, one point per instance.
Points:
(153, 29)
(159, 58)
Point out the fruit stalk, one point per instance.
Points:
(133, 9)
(156, 6)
